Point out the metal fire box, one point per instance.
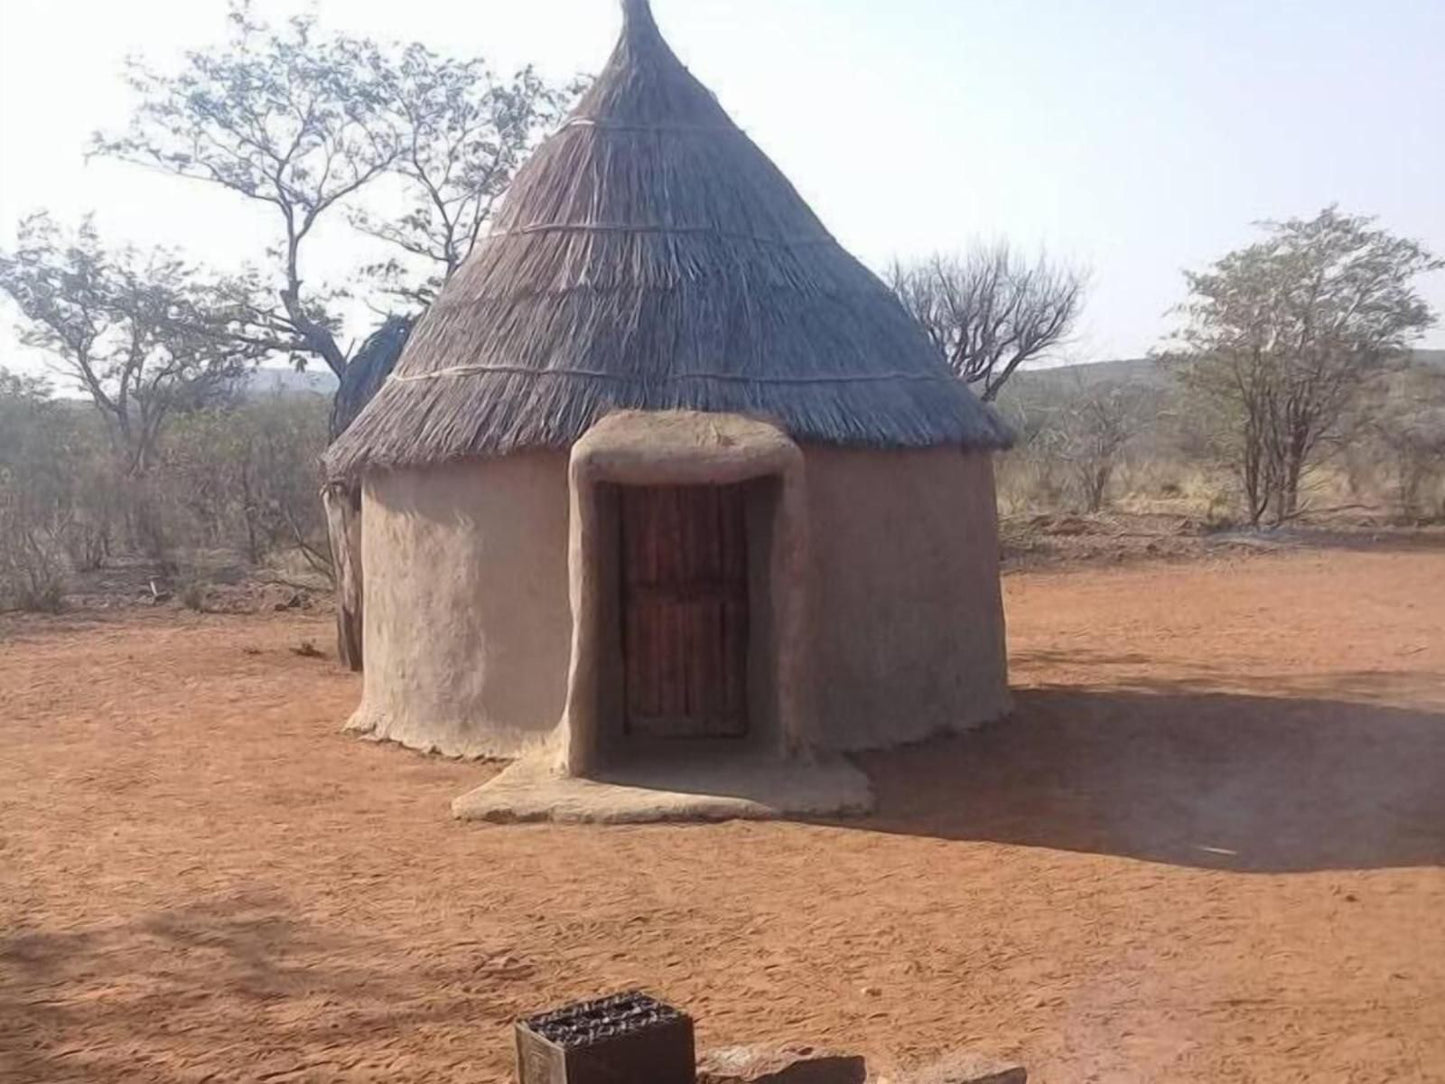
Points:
(624, 1039)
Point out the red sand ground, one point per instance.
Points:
(1209, 847)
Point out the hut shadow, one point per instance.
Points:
(1175, 775)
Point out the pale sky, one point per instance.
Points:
(1135, 137)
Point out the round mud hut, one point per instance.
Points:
(665, 467)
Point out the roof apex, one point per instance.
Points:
(637, 18)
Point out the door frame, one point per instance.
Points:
(679, 448)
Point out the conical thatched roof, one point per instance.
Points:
(650, 256)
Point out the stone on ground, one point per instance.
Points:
(965, 1067)
(786, 1064)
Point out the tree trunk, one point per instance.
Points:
(248, 514)
(1257, 492)
(1096, 485)
(1291, 469)
(343, 525)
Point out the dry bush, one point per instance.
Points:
(240, 478)
(34, 491)
(246, 477)
(32, 566)
(1396, 451)
(1383, 462)
(1076, 441)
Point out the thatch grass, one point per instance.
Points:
(650, 256)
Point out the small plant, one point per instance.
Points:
(1218, 516)
(43, 598)
(32, 571)
(192, 596)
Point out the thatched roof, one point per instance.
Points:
(650, 256)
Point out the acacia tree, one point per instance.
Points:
(307, 124)
(282, 118)
(144, 334)
(990, 310)
(1281, 336)
(460, 134)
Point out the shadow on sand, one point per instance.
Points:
(1166, 774)
(162, 997)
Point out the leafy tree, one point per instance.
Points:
(1281, 336)
(144, 334)
(461, 132)
(287, 118)
(990, 310)
(307, 123)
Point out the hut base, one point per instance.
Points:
(672, 788)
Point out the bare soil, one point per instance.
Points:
(1209, 846)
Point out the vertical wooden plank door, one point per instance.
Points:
(685, 610)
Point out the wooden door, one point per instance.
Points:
(685, 610)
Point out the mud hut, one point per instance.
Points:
(665, 466)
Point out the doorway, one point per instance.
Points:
(685, 611)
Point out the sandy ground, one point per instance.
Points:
(1209, 847)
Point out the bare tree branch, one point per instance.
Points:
(990, 311)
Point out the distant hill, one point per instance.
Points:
(1433, 358)
(1125, 370)
(1143, 372)
(317, 380)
